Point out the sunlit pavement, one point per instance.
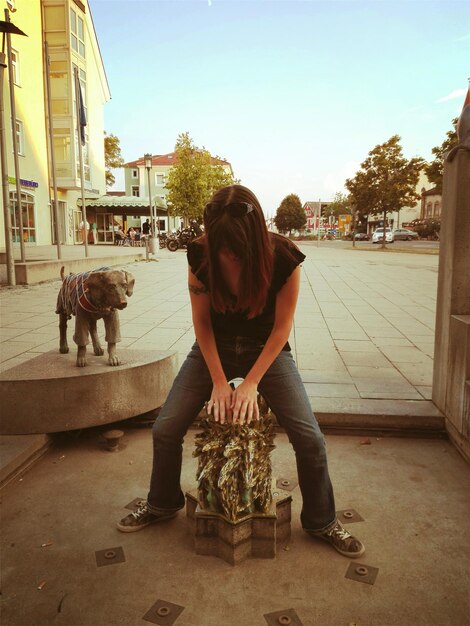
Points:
(364, 327)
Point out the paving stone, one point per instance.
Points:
(344, 345)
(369, 359)
(326, 390)
(400, 354)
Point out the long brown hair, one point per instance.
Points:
(248, 238)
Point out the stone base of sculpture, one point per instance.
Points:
(255, 535)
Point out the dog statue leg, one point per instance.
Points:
(112, 356)
(81, 356)
(63, 346)
(81, 335)
(94, 338)
(113, 335)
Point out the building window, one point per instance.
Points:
(136, 191)
(60, 87)
(437, 209)
(77, 33)
(19, 137)
(54, 23)
(85, 158)
(135, 174)
(27, 211)
(82, 79)
(15, 64)
(160, 179)
(429, 209)
(85, 148)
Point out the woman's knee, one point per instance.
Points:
(309, 441)
(167, 431)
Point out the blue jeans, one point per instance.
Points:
(283, 390)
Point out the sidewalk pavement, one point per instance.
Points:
(363, 334)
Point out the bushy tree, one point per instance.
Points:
(290, 214)
(435, 169)
(428, 228)
(340, 205)
(112, 157)
(386, 181)
(193, 179)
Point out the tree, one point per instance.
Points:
(386, 181)
(290, 214)
(193, 179)
(341, 205)
(435, 169)
(112, 157)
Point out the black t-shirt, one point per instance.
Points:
(236, 324)
(146, 228)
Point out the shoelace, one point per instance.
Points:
(140, 511)
(341, 533)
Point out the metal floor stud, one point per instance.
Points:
(135, 503)
(286, 484)
(110, 556)
(288, 617)
(362, 573)
(163, 613)
(348, 516)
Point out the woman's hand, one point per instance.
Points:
(220, 402)
(245, 403)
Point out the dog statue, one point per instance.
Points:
(91, 296)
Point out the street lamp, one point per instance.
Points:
(7, 28)
(148, 167)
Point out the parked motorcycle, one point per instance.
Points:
(181, 238)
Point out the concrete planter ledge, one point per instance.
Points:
(395, 416)
(37, 271)
(50, 394)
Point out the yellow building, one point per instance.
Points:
(67, 27)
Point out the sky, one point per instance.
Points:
(294, 94)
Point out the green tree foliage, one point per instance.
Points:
(290, 214)
(435, 169)
(193, 179)
(341, 205)
(112, 157)
(386, 181)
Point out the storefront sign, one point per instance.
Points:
(24, 183)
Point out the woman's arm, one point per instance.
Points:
(221, 396)
(244, 402)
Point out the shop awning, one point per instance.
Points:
(122, 205)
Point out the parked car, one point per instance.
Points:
(405, 234)
(361, 237)
(378, 234)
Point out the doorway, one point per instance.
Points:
(105, 223)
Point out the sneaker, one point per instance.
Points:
(140, 518)
(342, 541)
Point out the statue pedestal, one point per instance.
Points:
(255, 535)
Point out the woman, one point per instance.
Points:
(243, 284)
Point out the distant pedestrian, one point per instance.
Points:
(82, 229)
(146, 227)
(131, 235)
(94, 230)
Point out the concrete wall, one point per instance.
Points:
(451, 380)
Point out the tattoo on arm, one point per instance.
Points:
(197, 290)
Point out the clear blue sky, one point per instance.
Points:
(293, 94)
